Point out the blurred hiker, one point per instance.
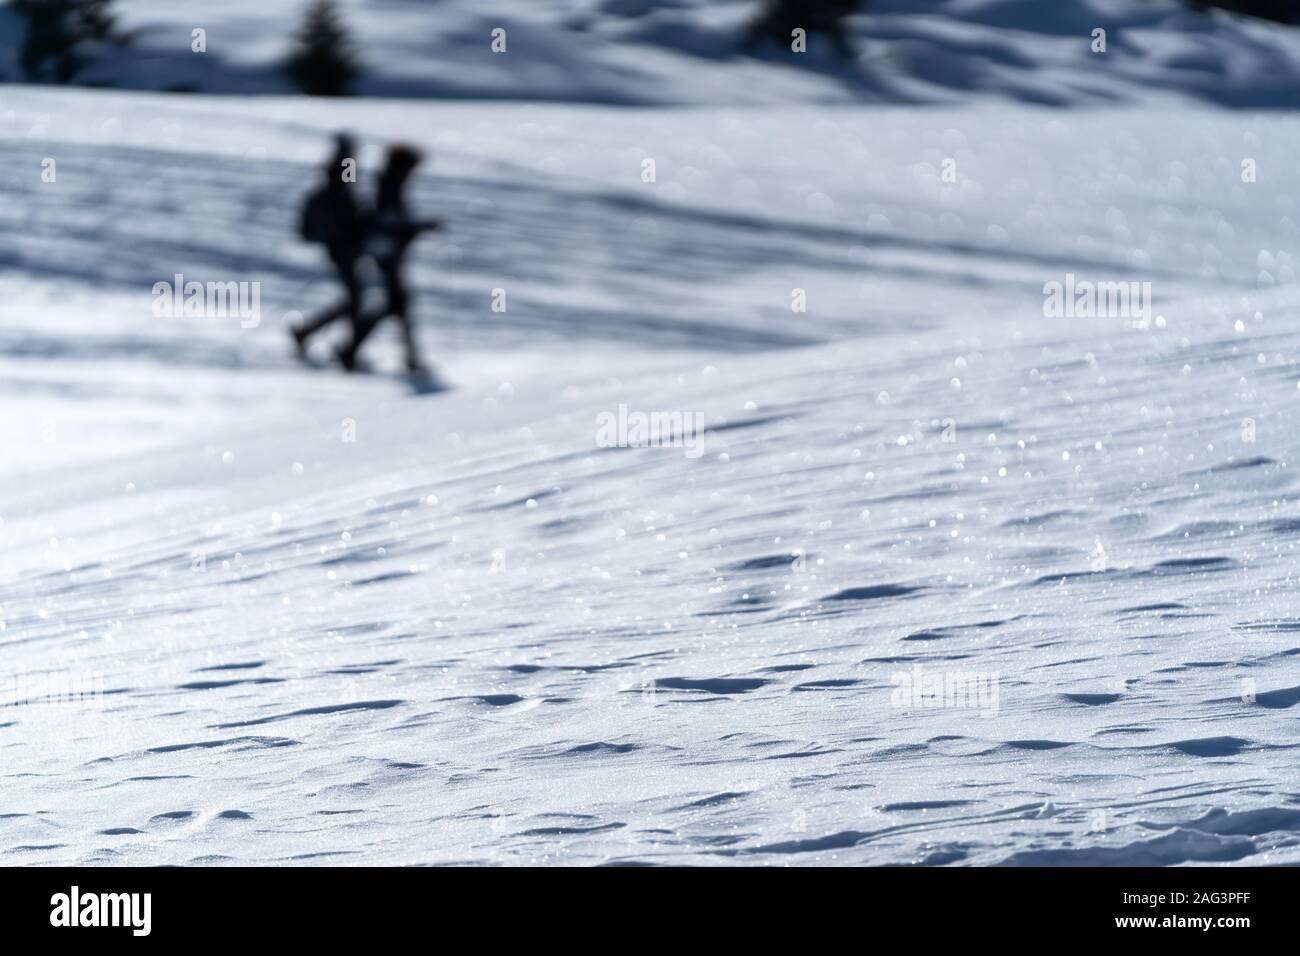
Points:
(389, 232)
(332, 218)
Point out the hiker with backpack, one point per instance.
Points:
(389, 233)
(332, 217)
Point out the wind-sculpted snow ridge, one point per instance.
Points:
(623, 655)
(960, 583)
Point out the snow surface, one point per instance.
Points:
(473, 634)
(654, 52)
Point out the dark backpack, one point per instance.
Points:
(317, 223)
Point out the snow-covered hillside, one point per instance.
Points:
(692, 52)
(474, 633)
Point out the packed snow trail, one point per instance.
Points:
(473, 633)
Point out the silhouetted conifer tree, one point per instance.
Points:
(59, 33)
(778, 20)
(1284, 11)
(322, 62)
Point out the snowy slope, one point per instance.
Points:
(691, 52)
(474, 634)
